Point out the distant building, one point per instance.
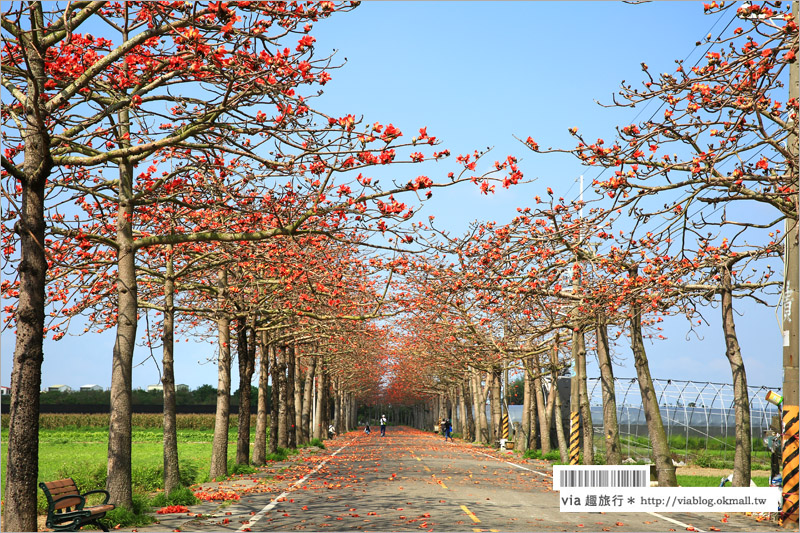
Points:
(182, 386)
(59, 388)
(151, 388)
(91, 387)
(4, 390)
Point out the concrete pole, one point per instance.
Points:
(791, 322)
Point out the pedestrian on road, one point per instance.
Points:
(383, 425)
(366, 428)
(448, 430)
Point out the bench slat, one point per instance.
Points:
(61, 489)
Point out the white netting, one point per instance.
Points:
(696, 411)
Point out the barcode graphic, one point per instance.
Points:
(603, 478)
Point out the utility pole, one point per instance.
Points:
(791, 321)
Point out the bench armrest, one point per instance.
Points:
(98, 491)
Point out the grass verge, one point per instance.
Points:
(713, 481)
(80, 453)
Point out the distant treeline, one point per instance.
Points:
(199, 400)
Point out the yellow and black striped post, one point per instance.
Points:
(791, 460)
(505, 426)
(574, 438)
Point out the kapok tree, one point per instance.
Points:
(727, 138)
(730, 269)
(71, 96)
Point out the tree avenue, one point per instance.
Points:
(164, 164)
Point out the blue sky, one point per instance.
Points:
(477, 74)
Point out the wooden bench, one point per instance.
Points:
(66, 506)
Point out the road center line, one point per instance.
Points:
(470, 514)
(259, 515)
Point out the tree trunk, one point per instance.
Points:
(741, 400)
(533, 436)
(337, 407)
(274, 416)
(470, 418)
(554, 405)
(246, 367)
(291, 406)
(22, 468)
(544, 420)
(560, 437)
(348, 411)
(283, 410)
(526, 407)
(260, 443)
(299, 388)
(172, 478)
(583, 402)
(219, 445)
(344, 407)
(308, 398)
(484, 396)
(319, 424)
(463, 424)
(610, 424)
(652, 414)
(497, 403)
(482, 433)
(476, 419)
(328, 403)
(118, 480)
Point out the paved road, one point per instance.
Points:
(413, 481)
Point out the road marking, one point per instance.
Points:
(676, 522)
(470, 514)
(518, 466)
(259, 515)
(426, 468)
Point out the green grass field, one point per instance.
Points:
(81, 453)
(719, 453)
(713, 481)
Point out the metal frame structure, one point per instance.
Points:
(690, 408)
